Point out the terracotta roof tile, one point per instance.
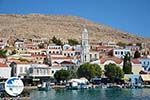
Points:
(3, 65)
(135, 61)
(106, 58)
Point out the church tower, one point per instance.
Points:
(85, 57)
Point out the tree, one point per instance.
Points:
(140, 45)
(110, 53)
(137, 54)
(59, 42)
(3, 53)
(13, 52)
(56, 41)
(113, 72)
(130, 44)
(72, 74)
(121, 44)
(41, 45)
(61, 75)
(47, 61)
(73, 42)
(127, 66)
(89, 71)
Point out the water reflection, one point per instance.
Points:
(92, 94)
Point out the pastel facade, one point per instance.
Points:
(94, 55)
(133, 49)
(120, 53)
(136, 66)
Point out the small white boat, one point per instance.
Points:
(81, 83)
(45, 86)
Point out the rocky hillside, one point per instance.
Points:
(63, 27)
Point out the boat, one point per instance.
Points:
(2, 86)
(45, 86)
(74, 84)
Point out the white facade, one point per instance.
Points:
(120, 53)
(85, 57)
(94, 55)
(38, 40)
(22, 69)
(54, 49)
(39, 70)
(5, 72)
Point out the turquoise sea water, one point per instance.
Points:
(92, 94)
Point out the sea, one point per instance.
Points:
(92, 94)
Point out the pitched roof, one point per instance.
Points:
(106, 58)
(135, 61)
(67, 62)
(3, 65)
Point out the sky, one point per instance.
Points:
(131, 16)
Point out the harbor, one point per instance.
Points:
(89, 94)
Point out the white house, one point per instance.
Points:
(39, 71)
(5, 71)
(20, 69)
(120, 53)
(54, 49)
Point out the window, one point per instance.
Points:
(68, 54)
(64, 54)
(37, 71)
(52, 72)
(90, 55)
(121, 52)
(25, 69)
(95, 56)
(21, 69)
(116, 52)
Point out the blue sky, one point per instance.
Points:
(127, 15)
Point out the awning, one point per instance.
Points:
(145, 77)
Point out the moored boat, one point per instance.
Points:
(2, 86)
(81, 83)
(45, 86)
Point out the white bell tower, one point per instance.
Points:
(85, 56)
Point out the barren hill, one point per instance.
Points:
(63, 27)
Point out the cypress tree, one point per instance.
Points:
(127, 65)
